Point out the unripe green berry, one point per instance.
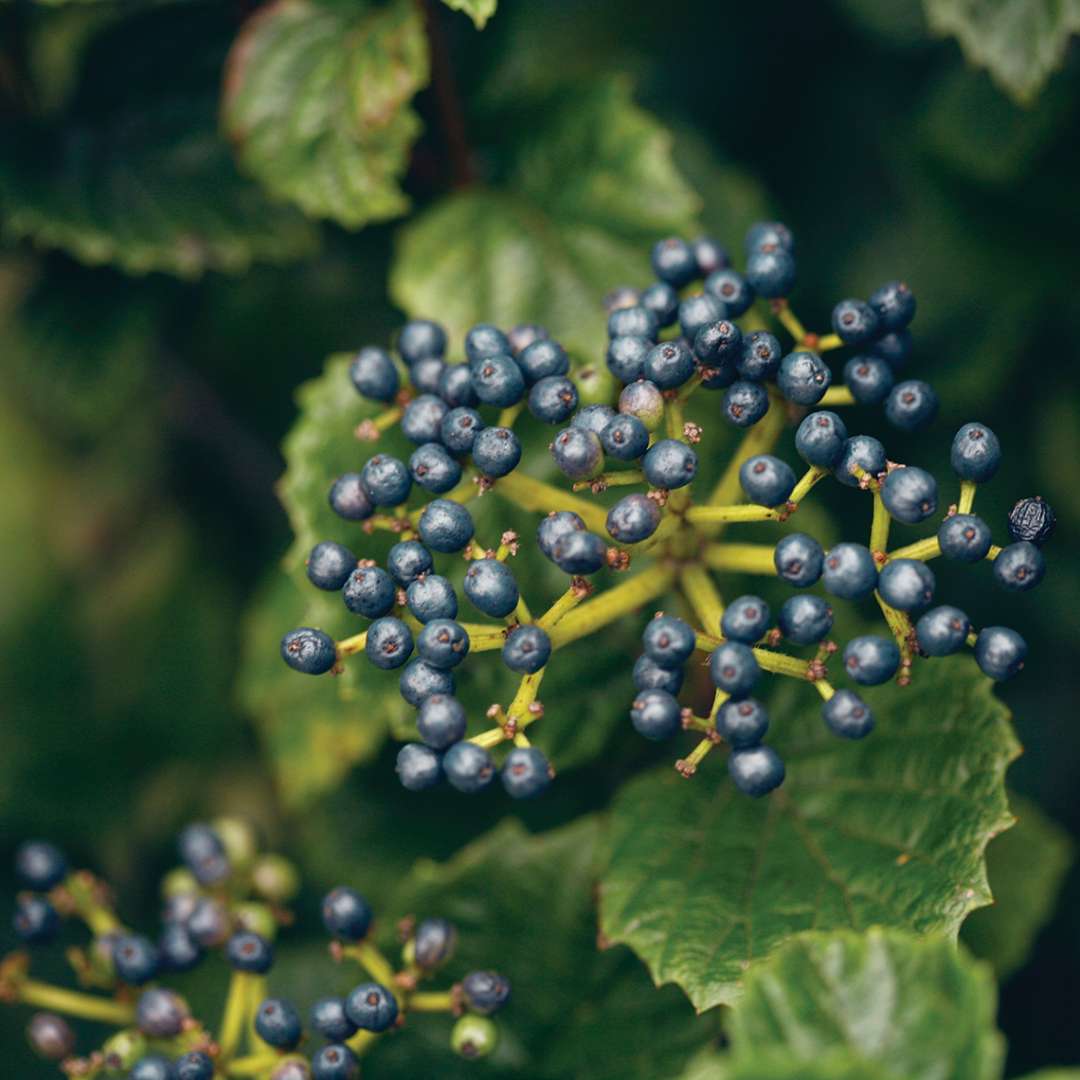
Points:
(474, 1036)
(275, 878)
(179, 881)
(123, 1050)
(595, 385)
(257, 918)
(239, 840)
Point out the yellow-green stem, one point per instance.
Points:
(746, 512)
(351, 645)
(259, 1065)
(879, 525)
(611, 605)
(758, 440)
(431, 1002)
(234, 1017)
(837, 395)
(361, 1042)
(806, 483)
(73, 1003)
(922, 549)
(374, 963)
(538, 496)
(967, 497)
(741, 558)
(828, 342)
(527, 690)
(698, 588)
(567, 602)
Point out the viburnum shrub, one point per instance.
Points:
(703, 346)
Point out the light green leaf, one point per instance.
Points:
(317, 104)
(704, 882)
(909, 1006)
(1027, 865)
(1020, 42)
(477, 10)
(588, 191)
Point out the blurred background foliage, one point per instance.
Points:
(173, 268)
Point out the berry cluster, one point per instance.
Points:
(669, 345)
(226, 896)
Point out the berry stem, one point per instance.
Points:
(371, 959)
(777, 663)
(922, 549)
(824, 688)
(234, 1016)
(806, 483)
(622, 478)
(535, 495)
(509, 415)
(568, 601)
(361, 1042)
(673, 414)
(789, 321)
(899, 624)
(73, 1003)
(698, 588)
(490, 738)
(483, 638)
(83, 892)
(258, 1064)
(994, 552)
(746, 512)
(879, 526)
(688, 765)
(828, 342)
(519, 709)
(351, 645)
(836, 395)
(741, 558)
(758, 440)
(431, 1002)
(967, 496)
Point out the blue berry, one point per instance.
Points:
(1019, 566)
(632, 321)
(346, 914)
(798, 559)
(349, 500)
(976, 453)
(209, 922)
(731, 291)
(669, 464)
(871, 660)
(40, 865)
(407, 560)
(673, 261)
(386, 480)
(542, 359)
(250, 952)
(485, 992)
(805, 619)
(578, 453)
(1033, 520)
(864, 452)
(759, 356)
(756, 770)
(277, 1023)
(906, 584)
(422, 418)
(331, 1021)
(468, 767)
(656, 714)
(626, 357)
(152, 1067)
(820, 439)
(456, 386)
(136, 959)
(434, 469)
(964, 537)
(847, 715)
(369, 592)
(389, 643)
(894, 305)
(443, 643)
(329, 565)
(734, 668)
(178, 949)
(526, 650)
(909, 494)
(445, 525)
(371, 1007)
(420, 679)
(35, 921)
(491, 588)
(649, 675)
(433, 943)
(869, 378)
(555, 526)
(854, 322)
(771, 272)
(1000, 652)
(496, 451)
(426, 376)
(850, 571)
(745, 403)
(484, 340)
(643, 400)
(420, 338)
(625, 437)
(769, 234)
(160, 1014)
(911, 405)
(418, 767)
(594, 418)
(441, 721)
(498, 381)
(196, 1065)
(719, 344)
(669, 364)
(942, 631)
(742, 723)
(553, 399)
(335, 1061)
(803, 377)
(894, 348)
(203, 853)
(663, 301)
(374, 375)
(525, 772)
(431, 597)
(668, 641)
(766, 480)
(459, 429)
(696, 312)
(745, 619)
(579, 553)
(633, 518)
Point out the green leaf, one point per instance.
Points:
(588, 190)
(1020, 42)
(317, 104)
(477, 10)
(1027, 865)
(704, 882)
(1054, 1074)
(911, 1007)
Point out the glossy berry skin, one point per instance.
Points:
(331, 1021)
(578, 453)
(626, 357)
(673, 261)
(335, 1061)
(370, 592)
(443, 643)
(719, 344)
(906, 584)
(542, 359)
(374, 375)
(854, 322)
(731, 291)
(594, 418)
(625, 437)
(456, 386)
(490, 587)
(135, 958)
(769, 234)
(40, 865)
(474, 1037)
(386, 480)
(349, 500)
(669, 364)
(975, 453)
(770, 272)
(496, 451)
(195, 1066)
(422, 418)
(894, 305)
(909, 494)
(152, 1067)
(871, 660)
(459, 429)
(329, 565)
(756, 770)
(277, 1023)
(1000, 652)
(745, 403)
(526, 649)
(803, 377)
(668, 641)
(850, 571)
(389, 643)
(1019, 567)
(632, 321)
(911, 405)
(371, 1007)
(579, 553)
(419, 680)
(759, 356)
(798, 559)
(869, 378)
(643, 400)
(820, 439)
(745, 619)
(553, 399)
(431, 597)
(733, 668)
(864, 452)
(663, 301)
(433, 943)
(468, 767)
(35, 921)
(407, 560)
(942, 631)
(418, 767)
(208, 923)
(250, 952)
(656, 714)
(484, 340)
(446, 525)
(633, 518)
(766, 480)
(426, 376)
(805, 619)
(498, 381)
(696, 312)
(179, 951)
(847, 715)
(203, 853)
(346, 914)
(160, 1014)
(420, 338)
(50, 1036)
(434, 469)
(485, 992)
(649, 675)
(742, 723)
(553, 527)
(964, 537)
(525, 773)
(1032, 520)
(441, 721)
(669, 464)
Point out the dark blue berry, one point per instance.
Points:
(443, 643)
(407, 560)
(278, 1023)
(734, 668)
(745, 403)
(496, 451)
(745, 619)
(594, 418)
(770, 272)
(542, 359)
(964, 537)
(719, 344)
(820, 439)
(668, 641)
(484, 340)
(335, 1061)
(553, 399)
(625, 437)
(250, 952)
(649, 675)
(1019, 566)
(418, 767)
(40, 865)
(894, 348)
(803, 377)
(769, 234)
(742, 723)
(632, 321)
(426, 376)
(578, 453)
(459, 429)
(633, 518)
(209, 922)
(759, 356)
(553, 527)
(468, 767)
(869, 378)
(805, 620)
(490, 587)
(731, 291)
(446, 525)
(1033, 520)
(369, 592)
(669, 464)
(433, 943)
(709, 255)
(909, 494)
(152, 1067)
(329, 565)
(498, 381)
(847, 715)
(35, 921)
(656, 714)
(850, 571)
(434, 469)
(526, 650)
(662, 300)
(431, 597)
(1000, 652)
(906, 584)
(525, 772)
(798, 559)
(386, 480)
(976, 453)
(485, 992)
(942, 631)
(349, 500)
(894, 305)
(329, 1019)
(441, 721)
(696, 312)
(673, 261)
(371, 1007)
(911, 405)
(766, 480)
(136, 959)
(579, 553)
(669, 364)
(854, 322)
(374, 375)
(196, 1065)
(756, 771)
(456, 386)
(178, 948)
(160, 1014)
(420, 338)
(346, 914)
(860, 451)
(203, 853)
(871, 660)
(643, 400)
(626, 357)
(389, 643)
(420, 679)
